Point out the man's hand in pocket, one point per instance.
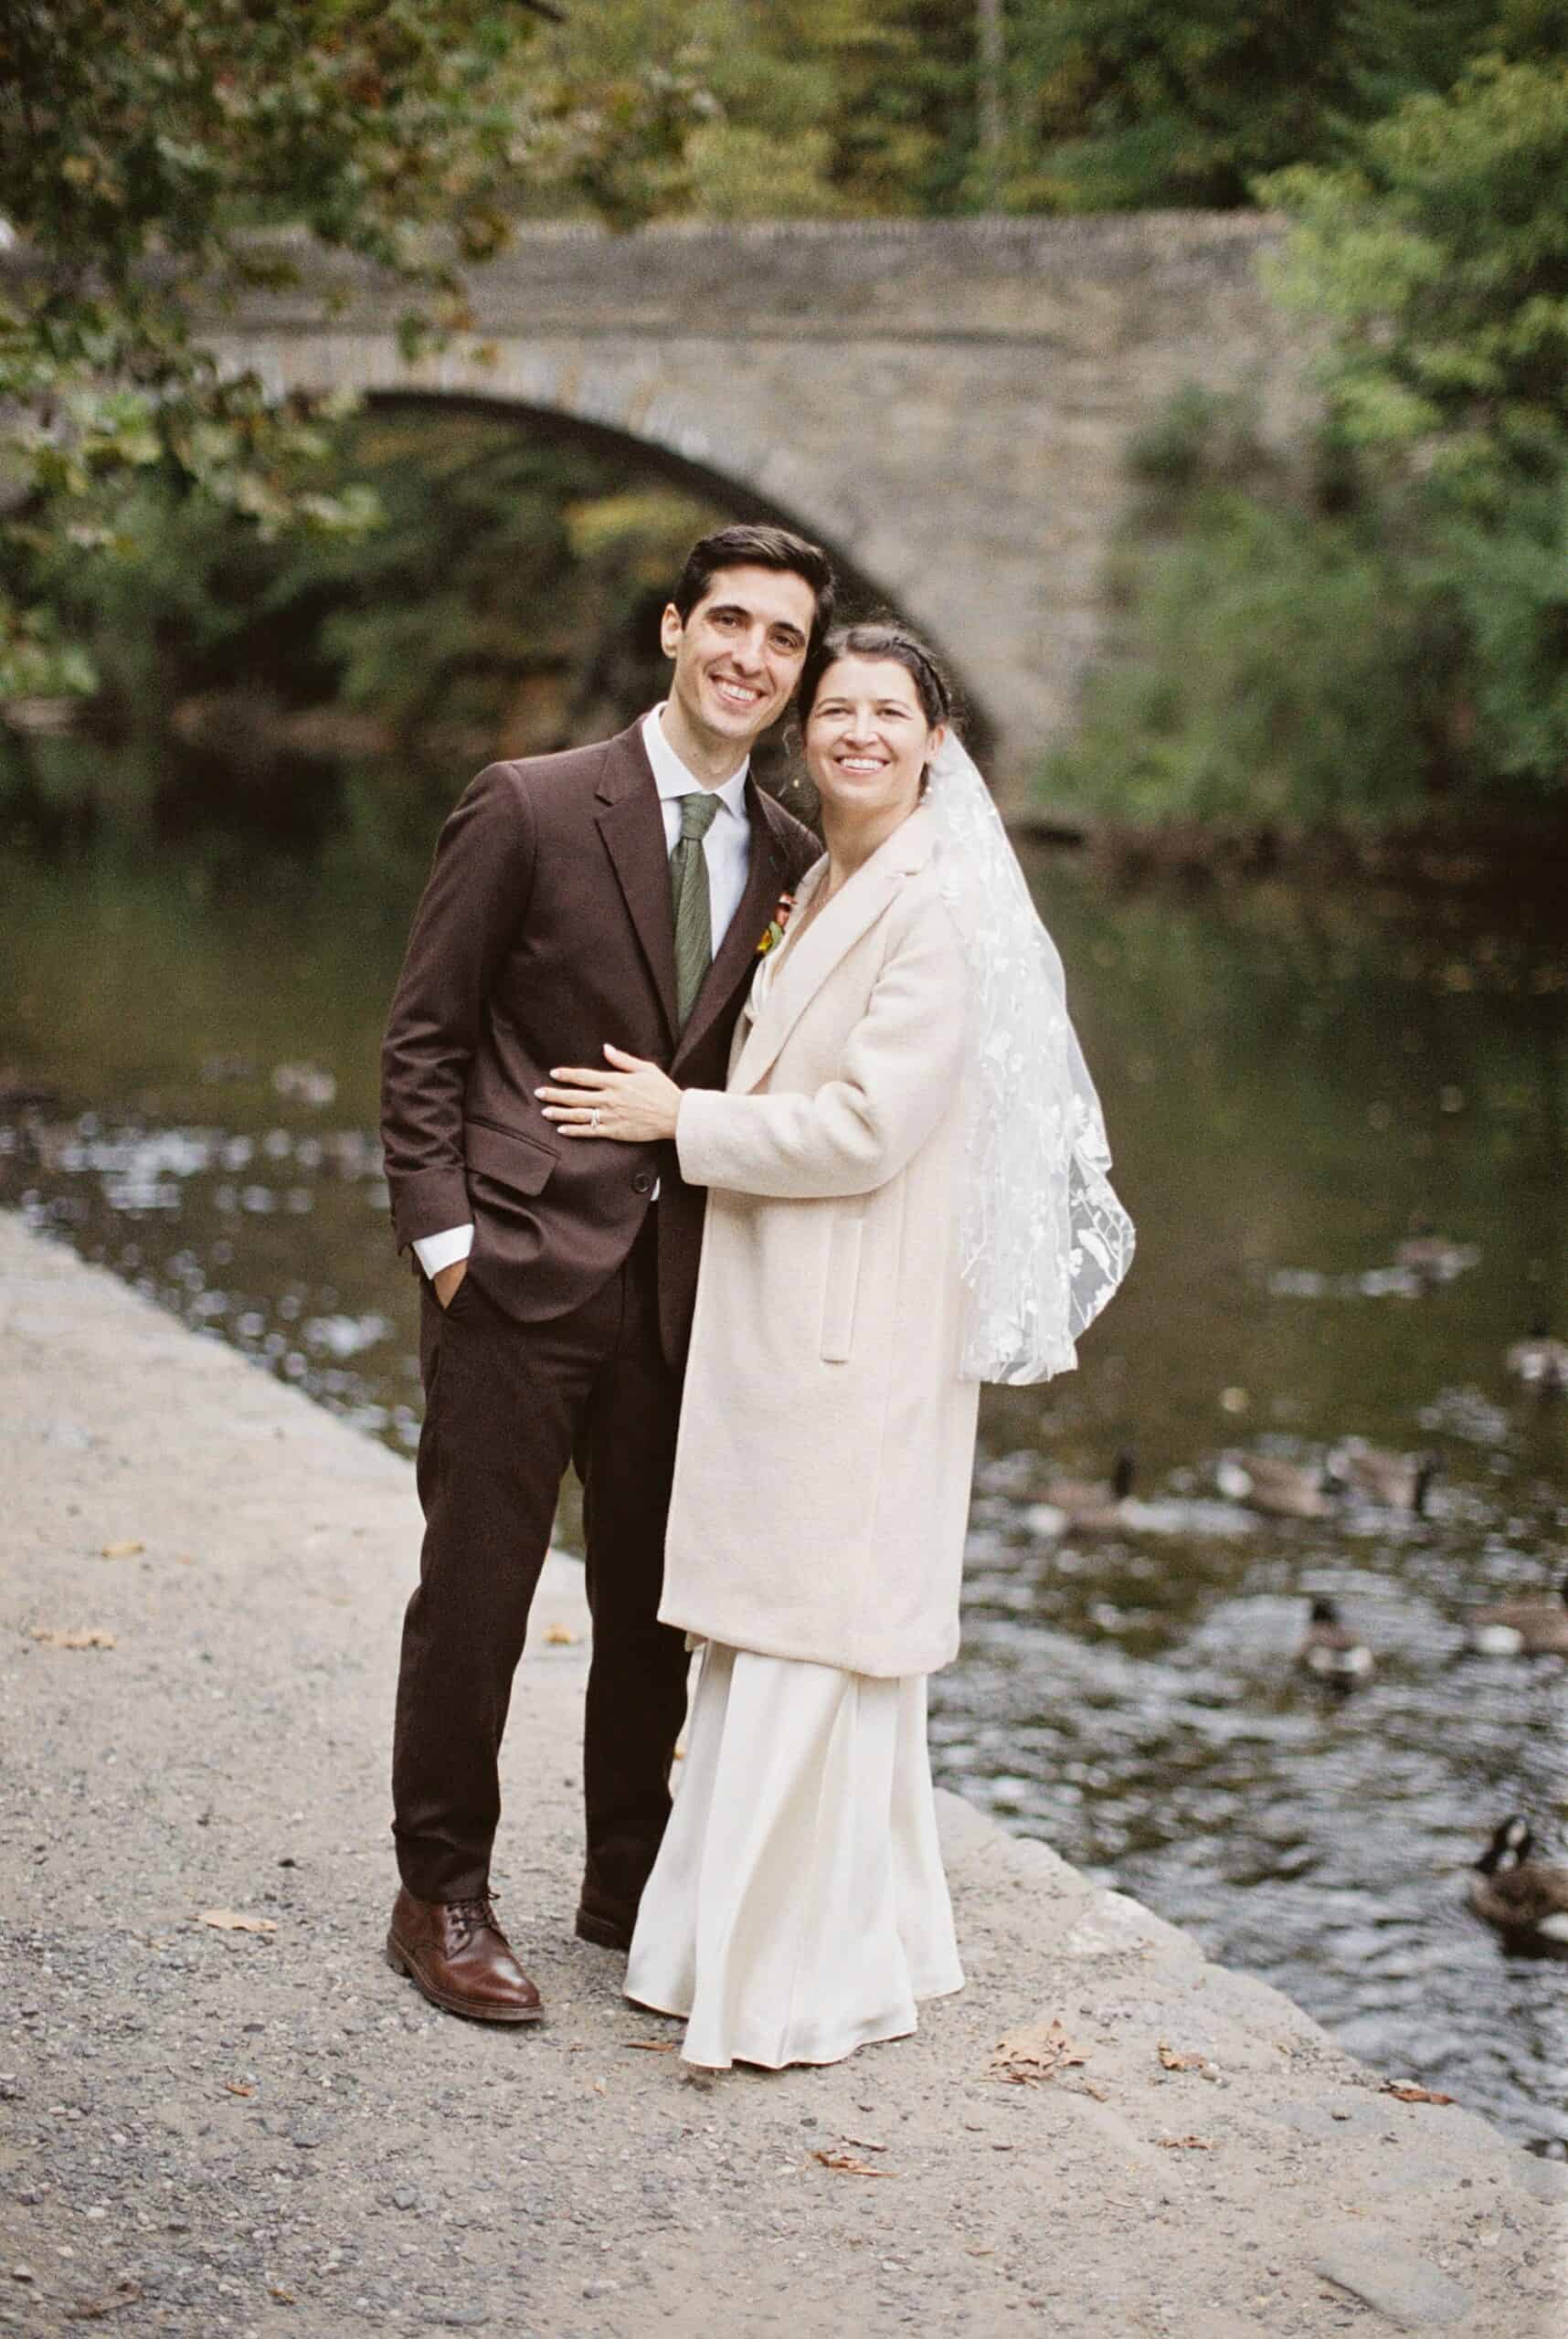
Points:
(445, 1281)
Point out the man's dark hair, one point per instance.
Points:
(745, 546)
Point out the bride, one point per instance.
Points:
(906, 1196)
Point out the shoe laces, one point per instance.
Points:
(475, 1916)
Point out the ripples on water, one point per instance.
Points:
(1285, 1083)
(1319, 1839)
(189, 1215)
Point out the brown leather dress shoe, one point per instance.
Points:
(456, 1952)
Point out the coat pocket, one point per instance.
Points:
(510, 1157)
(841, 1289)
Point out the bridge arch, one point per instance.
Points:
(859, 594)
(945, 405)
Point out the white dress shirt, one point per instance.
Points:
(726, 850)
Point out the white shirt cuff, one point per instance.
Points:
(435, 1251)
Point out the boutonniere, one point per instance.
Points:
(773, 935)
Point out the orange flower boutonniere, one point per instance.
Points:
(773, 935)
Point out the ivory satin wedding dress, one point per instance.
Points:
(798, 1909)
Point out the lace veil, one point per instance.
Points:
(1044, 1240)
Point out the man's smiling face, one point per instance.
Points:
(738, 655)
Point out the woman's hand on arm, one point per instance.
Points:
(633, 1102)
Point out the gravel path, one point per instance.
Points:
(206, 2129)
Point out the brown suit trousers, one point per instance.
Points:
(545, 930)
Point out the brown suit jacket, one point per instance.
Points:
(543, 931)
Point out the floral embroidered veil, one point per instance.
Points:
(1044, 1240)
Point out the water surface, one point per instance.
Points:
(1291, 1076)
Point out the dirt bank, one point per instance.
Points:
(207, 2130)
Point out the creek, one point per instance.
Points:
(1294, 1075)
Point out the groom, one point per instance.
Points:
(616, 891)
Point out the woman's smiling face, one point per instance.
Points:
(867, 738)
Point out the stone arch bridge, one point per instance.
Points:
(944, 405)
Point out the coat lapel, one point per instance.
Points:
(736, 956)
(809, 959)
(632, 827)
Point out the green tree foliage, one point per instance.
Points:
(1400, 49)
(1442, 261)
(1275, 668)
(507, 603)
(906, 126)
(793, 108)
(478, 609)
(1118, 103)
(812, 107)
(1115, 104)
(144, 143)
(755, 89)
(1387, 632)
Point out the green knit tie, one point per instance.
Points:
(689, 897)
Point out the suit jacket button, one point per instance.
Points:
(643, 1183)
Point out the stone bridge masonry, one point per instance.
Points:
(945, 405)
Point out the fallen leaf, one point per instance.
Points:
(228, 1921)
(1413, 2094)
(1186, 2143)
(561, 1636)
(846, 2164)
(276, 2290)
(234, 2088)
(600, 2086)
(126, 1551)
(1175, 2062)
(76, 1637)
(124, 2294)
(987, 2250)
(1093, 2087)
(1038, 2052)
(651, 2046)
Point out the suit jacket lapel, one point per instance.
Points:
(809, 959)
(632, 827)
(736, 956)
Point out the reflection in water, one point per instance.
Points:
(1292, 1081)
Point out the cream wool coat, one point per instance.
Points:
(826, 1446)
